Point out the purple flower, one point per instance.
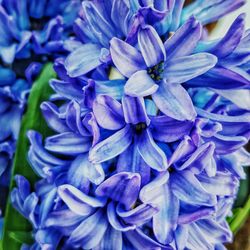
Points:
(149, 130)
(134, 129)
(28, 29)
(158, 69)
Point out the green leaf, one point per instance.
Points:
(21, 237)
(32, 119)
(239, 217)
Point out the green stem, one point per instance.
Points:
(241, 217)
(14, 223)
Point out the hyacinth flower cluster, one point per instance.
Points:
(31, 32)
(150, 120)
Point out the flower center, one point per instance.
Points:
(140, 127)
(156, 71)
(38, 23)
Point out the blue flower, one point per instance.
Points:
(151, 156)
(29, 32)
(159, 69)
(96, 26)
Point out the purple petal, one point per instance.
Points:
(165, 221)
(166, 129)
(23, 186)
(112, 239)
(83, 60)
(182, 69)
(68, 143)
(138, 215)
(188, 189)
(222, 78)
(185, 147)
(115, 221)
(199, 160)
(77, 201)
(108, 112)
(134, 110)
(222, 184)
(131, 161)
(69, 90)
(141, 241)
(74, 119)
(181, 236)
(63, 218)
(231, 40)
(191, 216)
(153, 190)
(112, 146)
(228, 144)
(184, 40)
(126, 58)
(52, 117)
(220, 232)
(81, 172)
(174, 101)
(150, 152)
(90, 232)
(151, 46)
(140, 84)
(122, 187)
(240, 97)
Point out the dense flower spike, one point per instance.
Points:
(150, 129)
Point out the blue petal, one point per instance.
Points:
(174, 101)
(211, 11)
(165, 221)
(68, 143)
(184, 40)
(83, 60)
(188, 189)
(97, 24)
(112, 146)
(63, 218)
(151, 46)
(182, 69)
(81, 172)
(199, 160)
(108, 112)
(122, 187)
(90, 232)
(138, 215)
(140, 84)
(240, 97)
(231, 40)
(115, 221)
(112, 240)
(74, 119)
(131, 161)
(134, 110)
(141, 241)
(150, 152)
(166, 129)
(126, 58)
(222, 184)
(77, 201)
(153, 190)
(113, 88)
(228, 144)
(52, 117)
(185, 148)
(181, 236)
